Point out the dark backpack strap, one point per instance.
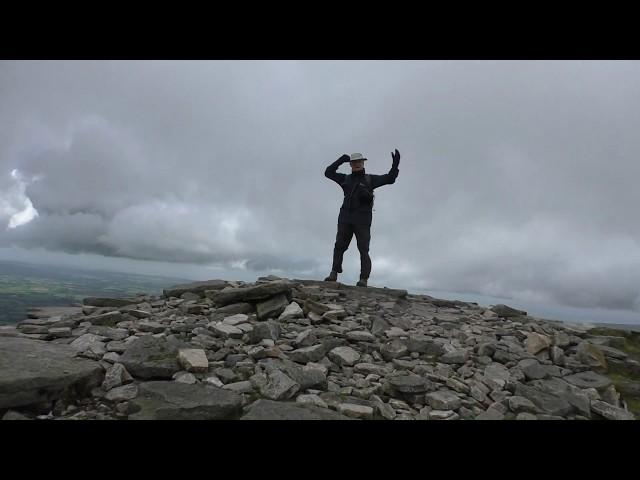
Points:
(368, 180)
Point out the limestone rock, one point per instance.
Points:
(271, 410)
(356, 411)
(26, 379)
(506, 311)
(109, 319)
(122, 393)
(344, 356)
(591, 355)
(193, 360)
(108, 302)
(537, 342)
(150, 357)
(272, 307)
(195, 287)
(265, 330)
(116, 376)
(292, 311)
(610, 412)
(252, 294)
(588, 379)
(305, 355)
(179, 401)
(443, 400)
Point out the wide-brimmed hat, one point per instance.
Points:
(357, 156)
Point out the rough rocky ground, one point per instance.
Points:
(302, 349)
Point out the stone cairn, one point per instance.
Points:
(304, 349)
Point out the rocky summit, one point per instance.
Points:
(279, 349)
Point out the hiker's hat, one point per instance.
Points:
(357, 156)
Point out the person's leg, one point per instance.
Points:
(343, 240)
(363, 238)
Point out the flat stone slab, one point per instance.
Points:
(272, 410)
(356, 411)
(109, 319)
(443, 400)
(272, 307)
(46, 312)
(344, 356)
(546, 402)
(194, 287)
(610, 412)
(410, 384)
(251, 294)
(392, 292)
(225, 330)
(588, 379)
(33, 371)
(193, 360)
(181, 401)
(109, 302)
(613, 352)
(315, 353)
(506, 312)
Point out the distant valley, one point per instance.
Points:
(26, 285)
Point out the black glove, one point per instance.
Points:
(344, 159)
(396, 158)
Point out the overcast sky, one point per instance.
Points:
(518, 179)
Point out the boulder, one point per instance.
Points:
(610, 412)
(271, 410)
(292, 311)
(109, 302)
(32, 371)
(588, 379)
(272, 307)
(591, 355)
(344, 356)
(150, 357)
(506, 311)
(193, 360)
(537, 342)
(265, 330)
(109, 319)
(545, 402)
(252, 294)
(194, 287)
(424, 344)
(180, 401)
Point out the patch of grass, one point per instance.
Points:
(633, 404)
(618, 377)
(632, 340)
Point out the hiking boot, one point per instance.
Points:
(333, 277)
(362, 282)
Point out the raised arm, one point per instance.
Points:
(332, 173)
(389, 178)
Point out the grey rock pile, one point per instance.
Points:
(302, 349)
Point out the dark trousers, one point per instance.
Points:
(343, 239)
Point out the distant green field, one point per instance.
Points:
(25, 285)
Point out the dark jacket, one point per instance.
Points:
(357, 205)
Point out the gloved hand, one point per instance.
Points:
(344, 159)
(396, 158)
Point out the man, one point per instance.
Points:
(356, 211)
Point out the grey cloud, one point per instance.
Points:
(516, 179)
